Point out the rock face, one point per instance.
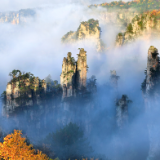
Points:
(114, 80)
(88, 30)
(122, 111)
(16, 17)
(81, 69)
(120, 17)
(150, 88)
(121, 104)
(23, 91)
(74, 74)
(68, 77)
(152, 66)
(146, 25)
(120, 40)
(151, 82)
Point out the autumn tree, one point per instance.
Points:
(15, 147)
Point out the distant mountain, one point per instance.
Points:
(16, 17)
(146, 24)
(139, 5)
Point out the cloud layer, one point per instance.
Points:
(13, 5)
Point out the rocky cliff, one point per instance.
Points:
(146, 25)
(88, 30)
(74, 74)
(23, 90)
(114, 80)
(151, 93)
(118, 17)
(121, 103)
(16, 17)
(122, 111)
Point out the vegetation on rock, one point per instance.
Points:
(86, 30)
(141, 22)
(139, 5)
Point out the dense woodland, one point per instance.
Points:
(138, 5)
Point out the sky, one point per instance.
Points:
(13, 5)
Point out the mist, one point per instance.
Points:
(36, 47)
(14, 5)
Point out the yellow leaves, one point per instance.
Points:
(14, 147)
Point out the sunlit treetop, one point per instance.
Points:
(139, 5)
(15, 147)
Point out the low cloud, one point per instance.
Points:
(14, 5)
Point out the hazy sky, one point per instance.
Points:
(23, 4)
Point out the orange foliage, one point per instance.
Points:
(155, 12)
(14, 147)
(136, 1)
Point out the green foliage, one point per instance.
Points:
(29, 86)
(71, 71)
(155, 78)
(140, 23)
(139, 5)
(143, 86)
(66, 35)
(92, 84)
(154, 54)
(3, 94)
(73, 61)
(3, 97)
(124, 99)
(68, 142)
(14, 73)
(120, 34)
(67, 135)
(53, 88)
(130, 28)
(154, 51)
(92, 24)
(154, 75)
